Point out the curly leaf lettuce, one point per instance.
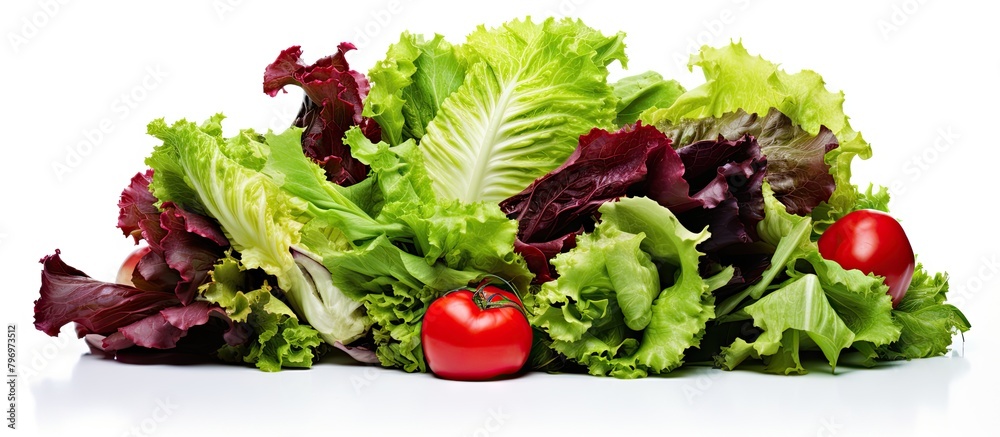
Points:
(275, 338)
(927, 322)
(449, 245)
(411, 83)
(608, 309)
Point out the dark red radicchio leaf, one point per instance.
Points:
(796, 169)
(334, 96)
(727, 176)
(725, 179)
(559, 205)
(163, 329)
(184, 246)
(69, 295)
(713, 183)
(191, 248)
(116, 317)
(537, 255)
(138, 215)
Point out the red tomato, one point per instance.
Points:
(470, 337)
(873, 242)
(125, 272)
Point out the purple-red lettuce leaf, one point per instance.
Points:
(186, 249)
(164, 329)
(558, 205)
(537, 255)
(122, 322)
(183, 246)
(714, 184)
(795, 166)
(726, 176)
(153, 274)
(334, 96)
(69, 295)
(138, 215)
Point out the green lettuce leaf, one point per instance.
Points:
(463, 244)
(858, 301)
(190, 169)
(277, 339)
(530, 91)
(928, 323)
(443, 245)
(607, 311)
(862, 301)
(410, 84)
(799, 306)
(641, 92)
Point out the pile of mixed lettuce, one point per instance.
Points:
(644, 224)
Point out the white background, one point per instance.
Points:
(921, 84)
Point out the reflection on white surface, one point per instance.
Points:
(345, 399)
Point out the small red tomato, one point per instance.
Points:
(873, 242)
(475, 335)
(125, 272)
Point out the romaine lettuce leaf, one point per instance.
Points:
(262, 220)
(530, 91)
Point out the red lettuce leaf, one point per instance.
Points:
(138, 215)
(714, 184)
(732, 172)
(153, 274)
(188, 251)
(559, 205)
(796, 169)
(601, 168)
(334, 96)
(163, 330)
(537, 255)
(184, 246)
(69, 295)
(123, 322)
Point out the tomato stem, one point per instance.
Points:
(485, 302)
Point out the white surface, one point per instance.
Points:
(937, 72)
